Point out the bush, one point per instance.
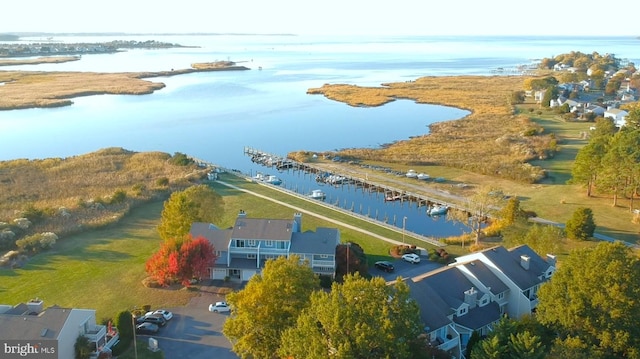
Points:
(162, 182)
(181, 159)
(118, 196)
(37, 242)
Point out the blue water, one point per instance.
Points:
(213, 116)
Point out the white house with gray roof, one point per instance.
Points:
(476, 291)
(521, 269)
(243, 249)
(31, 323)
(452, 307)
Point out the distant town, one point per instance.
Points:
(50, 48)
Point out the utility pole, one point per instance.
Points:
(404, 224)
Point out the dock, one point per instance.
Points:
(335, 178)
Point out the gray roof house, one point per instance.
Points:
(452, 308)
(521, 269)
(476, 291)
(55, 327)
(243, 249)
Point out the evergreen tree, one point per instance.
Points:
(581, 225)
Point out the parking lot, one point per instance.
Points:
(194, 332)
(405, 269)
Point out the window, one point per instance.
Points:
(462, 311)
(218, 253)
(268, 243)
(500, 295)
(251, 243)
(239, 243)
(324, 256)
(251, 256)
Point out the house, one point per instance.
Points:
(475, 292)
(452, 308)
(243, 249)
(55, 327)
(521, 269)
(617, 115)
(595, 109)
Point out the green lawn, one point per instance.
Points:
(103, 269)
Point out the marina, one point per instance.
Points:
(418, 213)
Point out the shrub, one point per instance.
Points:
(180, 159)
(118, 196)
(37, 242)
(22, 223)
(581, 225)
(162, 182)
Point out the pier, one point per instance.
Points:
(335, 178)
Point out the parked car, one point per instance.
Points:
(157, 319)
(219, 307)
(385, 266)
(411, 258)
(165, 313)
(147, 328)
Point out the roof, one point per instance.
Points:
(485, 276)
(479, 317)
(508, 262)
(45, 325)
(219, 238)
(322, 241)
(259, 228)
(433, 310)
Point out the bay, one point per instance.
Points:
(213, 116)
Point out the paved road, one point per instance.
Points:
(194, 332)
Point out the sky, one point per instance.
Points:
(324, 17)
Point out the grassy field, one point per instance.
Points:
(103, 269)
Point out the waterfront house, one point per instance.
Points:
(617, 115)
(31, 323)
(521, 269)
(243, 249)
(452, 308)
(476, 291)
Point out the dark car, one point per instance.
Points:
(147, 328)
(385, 266)
(156, 319)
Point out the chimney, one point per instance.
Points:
(297, 222)
(524, 261)
(551, 260)
(470, 297)
(242, 214)
(35, 305)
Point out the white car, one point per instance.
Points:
(165, 313)
(219, 307)
(411, 258)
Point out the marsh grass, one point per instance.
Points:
(76, 193)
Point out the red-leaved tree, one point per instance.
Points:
(170, 264)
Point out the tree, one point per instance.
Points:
(514, 339)
(359, 318)
(589, 160)
(541, 238)
(82, 348)
(483, 205)
(594, 297)
(189, 261)
(195, 204)
(581, 225)
(268, 305)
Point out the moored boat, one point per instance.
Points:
(317, 194)
(438, 210)
(411, 174)
(423, 176)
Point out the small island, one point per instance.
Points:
(39, 89)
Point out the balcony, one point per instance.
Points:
(97, 333)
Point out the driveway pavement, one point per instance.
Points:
(194, 332)
(405, 269)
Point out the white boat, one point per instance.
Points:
(423, 176)
(411, 174)
(317, 194)
(438, 210)
(271, 179)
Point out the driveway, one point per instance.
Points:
(194, 332)
(405, 269)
